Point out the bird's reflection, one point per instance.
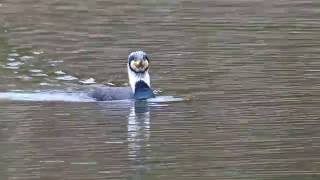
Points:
(137, 124)
(138, 128)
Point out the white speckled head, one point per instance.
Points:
(138, 68)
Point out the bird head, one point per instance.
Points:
(138, 70)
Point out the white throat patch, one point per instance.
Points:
(135, 77)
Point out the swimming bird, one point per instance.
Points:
(139, 80)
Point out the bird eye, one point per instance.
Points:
(146, 57)
(131, 58)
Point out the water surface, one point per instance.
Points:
(248, 72)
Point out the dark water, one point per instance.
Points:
(248, 72)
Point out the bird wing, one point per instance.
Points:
(111, 93)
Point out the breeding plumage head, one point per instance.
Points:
(138, 72)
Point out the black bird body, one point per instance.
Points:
(106, 93)
(111, 93)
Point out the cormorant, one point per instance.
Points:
(139, 80)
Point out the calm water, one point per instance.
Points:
(248, 73)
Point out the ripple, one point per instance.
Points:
(20, 95)
(84, 163)
(111, 84)
(13, 54)
(45, 96)
(35, 70)
(67, 78)
(26, 58)
(59, 72)
(11, 59)
(37, 52)
(45, 84)
(39, 75)
(56, 61)
(52, 161)
(160, 99)
(88, 81)
(15, 63)
(10, 67)
(25, 77)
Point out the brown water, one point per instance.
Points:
(248, 71)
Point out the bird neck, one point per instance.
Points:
(142, 91)
(140, 84)
(136, 77)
